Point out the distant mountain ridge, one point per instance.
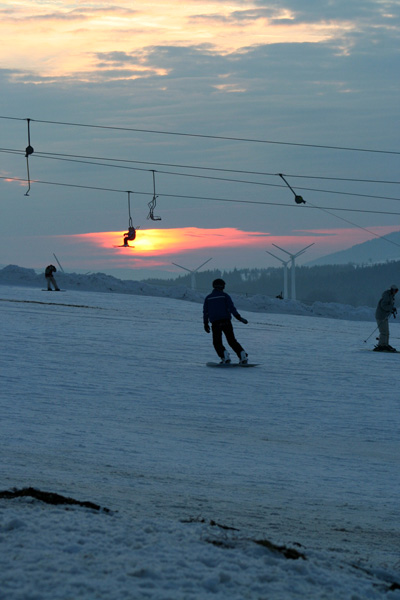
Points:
(370, 252)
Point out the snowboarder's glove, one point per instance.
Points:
(245, 321)
(206, 328)
(394, 312)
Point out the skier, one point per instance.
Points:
(383, 311)
(50, 269)
(129, 236)
(218, 308)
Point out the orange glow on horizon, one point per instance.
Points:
(157, 249)
(156, 242)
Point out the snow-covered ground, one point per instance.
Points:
(99, 282)
(105, 397)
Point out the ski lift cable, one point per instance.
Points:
(229, 180)
(152, 204)
(246, 182)
(222, 170)
(208, 136)
(382, 237)
(66, 157)
(208, 198)
(228, 200)
(300, 200)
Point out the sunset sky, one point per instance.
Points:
(201, 105)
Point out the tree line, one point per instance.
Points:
(357, 285)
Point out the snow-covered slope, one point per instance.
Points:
(99, 282)
(106, 398)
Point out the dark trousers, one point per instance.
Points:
(224, 327)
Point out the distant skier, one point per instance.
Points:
(383, 311)
(218, 308)
(50, 278)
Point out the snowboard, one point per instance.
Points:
(54, 290)
(385, 351)
(229, 365)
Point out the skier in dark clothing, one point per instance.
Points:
(383, 311)
(218, 308)
(50, 269)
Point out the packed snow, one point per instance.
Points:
(14, 275)
(278, 482)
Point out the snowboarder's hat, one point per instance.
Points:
(394, 288)
(219, 283)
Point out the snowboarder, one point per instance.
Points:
(218, 308)
(50, 269)
(383, 311)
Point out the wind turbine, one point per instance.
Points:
(292, 259)
(285, 274)
(58, 262)
(193, 272)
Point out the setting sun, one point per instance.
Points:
(160, 247)
(156, 242)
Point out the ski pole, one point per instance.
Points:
(370, 335)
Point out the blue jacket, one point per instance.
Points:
(218, 305)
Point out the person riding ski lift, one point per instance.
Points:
(129, 236)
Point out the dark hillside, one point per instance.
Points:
(346, 284)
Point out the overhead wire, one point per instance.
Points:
(213, 199)
(198, 167)
(300, 200)
(82, 160)
(257, 202)
(327, 211)
(237, 139)
(356, 225)
(205, 136)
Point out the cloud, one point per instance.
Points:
(317, 10)
(34, 11)
(75, 34)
